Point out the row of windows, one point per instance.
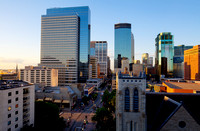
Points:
(131, 80)
(9, 122)
(16, 99)
(10, 93)
(9, 108)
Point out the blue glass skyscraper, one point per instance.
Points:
(164, 53)
(65, 42)
(124, 43)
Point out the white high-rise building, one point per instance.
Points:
(17, 105)
(65, 41)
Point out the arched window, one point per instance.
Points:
(135, 100)
(127, 100)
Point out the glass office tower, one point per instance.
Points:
(124, 43)
(65, 42)
(164, 53)
(179, 60)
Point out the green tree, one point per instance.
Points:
(47, 117)
(104, 119)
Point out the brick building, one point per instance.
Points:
(192, 63)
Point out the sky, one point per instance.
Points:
(20, 25)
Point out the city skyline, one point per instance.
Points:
(20, 34)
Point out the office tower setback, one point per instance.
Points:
(65, 42)
(17, 105)
(101, 54)
(179, 60)
(41, 76)
(164, 48)
(124, 44)
(192, 63)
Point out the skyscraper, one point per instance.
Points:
(179, 60)
(93, 61)
(124, 43)
(65, 43)
(101, 54)
(164, 51)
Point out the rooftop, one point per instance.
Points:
(9, 84)
(183, 85)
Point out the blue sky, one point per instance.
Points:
(20, 22)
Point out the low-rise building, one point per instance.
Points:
(42, 76)
(17, 105)
(64, 97)
(96, 82)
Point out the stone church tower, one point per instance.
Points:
(130, 102)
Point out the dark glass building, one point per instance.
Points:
(179, 60)
(124, 44)
(65, 43)
(164, 53)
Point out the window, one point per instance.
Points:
(16, 112)
(17, 92)
(9, 122)
(123, 80)
(16, 106)
(9, 101)
(135, 100)
(135, 80)
(135, 126)
(16, 119)
(16, 99)
(9, 115)
(9, 94)
(127, 100)
(16, 125)
(127, 80)
(9, 108)
(9, 129)
(131, 80)
(182, 124)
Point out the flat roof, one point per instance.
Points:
(183, 85)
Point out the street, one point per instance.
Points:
(79, 117)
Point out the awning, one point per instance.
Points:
(57, 101)
(65, 101)
(48, 99)
(39, 99)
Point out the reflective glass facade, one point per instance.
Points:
(179, 60)
(164, 51)
(124, 44)
(65, 42)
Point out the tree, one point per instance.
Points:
(47, 117)
(104, 119)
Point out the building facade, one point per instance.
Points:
(41, 76)
(179, 60)
(93, 61)
(192, 63)
(65, 42)
(164, 48)
(130, 103)
(124, 44)
(101, 55)
(17, 105)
